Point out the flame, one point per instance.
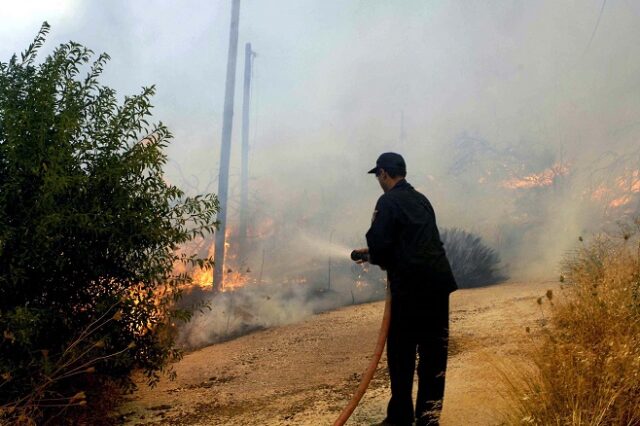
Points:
(202, 278)
(620, 201)
(234, 280)
(630, 183)
(621, 193)
(538, 180)
(236, 274)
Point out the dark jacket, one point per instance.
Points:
(404, 240)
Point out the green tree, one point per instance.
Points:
(90, 233)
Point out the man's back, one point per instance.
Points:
(404, 239)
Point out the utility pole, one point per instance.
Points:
(225, 148)
(244, 176)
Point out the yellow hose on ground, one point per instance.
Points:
(368, 374)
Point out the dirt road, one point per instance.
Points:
(303, 374)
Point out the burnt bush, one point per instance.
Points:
(474, 264)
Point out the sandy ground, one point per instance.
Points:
(303, 374)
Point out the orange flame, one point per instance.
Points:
(620, 201)
(202, 278)
(232, 280)
(235, 275)
(538, 180)
(621, 193)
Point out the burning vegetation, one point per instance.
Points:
(255, 298)
(527, 199)
(621, 193)
(542, 179)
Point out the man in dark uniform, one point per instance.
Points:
(404, 240)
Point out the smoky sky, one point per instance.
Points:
(333, 80)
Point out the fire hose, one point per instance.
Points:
(371, 369)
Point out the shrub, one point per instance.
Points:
(586, 368)
(89, 232)
(474, 264)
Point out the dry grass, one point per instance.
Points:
(586, 362)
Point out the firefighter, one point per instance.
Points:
(404, 240)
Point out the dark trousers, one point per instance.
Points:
(418, 325)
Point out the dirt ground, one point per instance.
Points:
(304, 374)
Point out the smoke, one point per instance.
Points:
(245, 310)
(472, 94)
(254, 307)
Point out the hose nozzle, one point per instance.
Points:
(356, 256)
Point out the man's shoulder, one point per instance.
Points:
(405, 192)
(385, 200)
(409, 198)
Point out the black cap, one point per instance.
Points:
(390, 161)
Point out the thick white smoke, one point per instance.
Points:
(472, 94)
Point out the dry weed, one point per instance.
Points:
(586, 362)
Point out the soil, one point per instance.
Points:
(304, 374)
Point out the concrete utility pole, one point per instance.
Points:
(244, 177)
(225, 149)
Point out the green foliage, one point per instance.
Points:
(89, 231)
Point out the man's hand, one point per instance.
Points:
(362, 251)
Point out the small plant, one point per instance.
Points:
(474, 264)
